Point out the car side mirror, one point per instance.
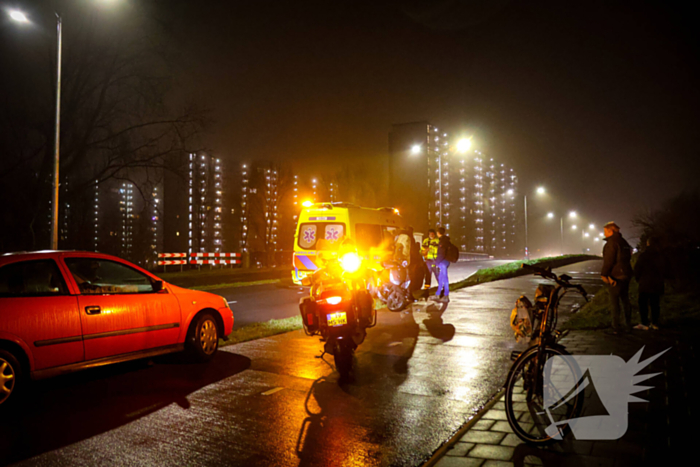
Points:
(157, 286)
(306, 281)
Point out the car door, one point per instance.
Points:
(36, 306)
(120, 309)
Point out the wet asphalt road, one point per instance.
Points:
(275, 301)
(420, 376)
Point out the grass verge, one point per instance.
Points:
(234, 284)
(514, 269)
(260, 330)
(677, 309)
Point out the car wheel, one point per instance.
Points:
(10, 378)
(202, 338)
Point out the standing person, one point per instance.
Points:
(617, 273)
(443, 291)
(430, 246)
(649, 273)
(402, 251)
(416, 269)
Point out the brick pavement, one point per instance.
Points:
(659, 432)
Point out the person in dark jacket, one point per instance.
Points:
(617, 273)
(443, 291)
(649, 273)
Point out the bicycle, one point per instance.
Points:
(536, 408)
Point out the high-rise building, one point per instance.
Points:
(260, 208)
(470, 194)
(193, 206)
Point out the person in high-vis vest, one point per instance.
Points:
(429, 250)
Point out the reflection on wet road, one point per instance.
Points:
(259, 303)
(420, 375)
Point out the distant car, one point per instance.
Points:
(63, 311)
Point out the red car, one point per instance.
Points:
(62, 311)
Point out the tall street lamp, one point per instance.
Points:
(20, 17)
(539, 191)
(561, 232)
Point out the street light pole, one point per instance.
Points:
(527, 252)
(561, 226)
(57, 137)
(440, 184)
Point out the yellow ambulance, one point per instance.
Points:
(372, 231)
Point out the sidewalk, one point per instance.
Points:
(659, 432)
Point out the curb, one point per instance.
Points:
(440, 453)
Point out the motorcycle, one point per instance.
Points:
(339, 309)
(393, 284)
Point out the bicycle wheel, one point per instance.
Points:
(539, 404)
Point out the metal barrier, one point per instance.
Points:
(217, 259)
(198, 259)
(168, 262)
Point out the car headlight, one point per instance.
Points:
(350, 262)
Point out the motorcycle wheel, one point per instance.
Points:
(344, 355)
(396, 301)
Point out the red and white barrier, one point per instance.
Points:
(198, 259)
(216, 255)
(215, 261)
(174, 261)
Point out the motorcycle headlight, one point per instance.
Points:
(350, 262)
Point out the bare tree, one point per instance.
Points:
(117, 120)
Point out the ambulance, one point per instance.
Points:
(372, 231)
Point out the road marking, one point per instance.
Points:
(233, 301)
(271, 391)
(394, 344)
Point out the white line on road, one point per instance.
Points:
(271, 391)
(233, 301)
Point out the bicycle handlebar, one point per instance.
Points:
(547, 273)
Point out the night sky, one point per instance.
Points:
(597, 101)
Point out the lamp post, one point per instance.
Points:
(539, 191)
(561, 231)
(21, 18)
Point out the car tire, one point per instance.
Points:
(11, 379)
(202, 338)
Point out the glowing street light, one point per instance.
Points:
(510, 192)
(572, 214)
(463, 145)
(540, 190)
(592, 226)
(586, 234)
(550, 215)
(573, 227)
(415, 149)
(18, 16)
